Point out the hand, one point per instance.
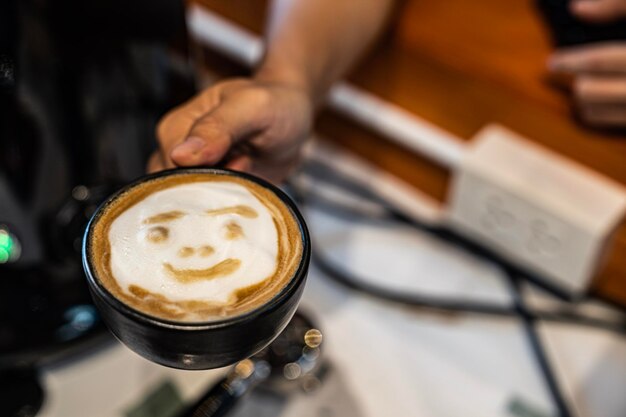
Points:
(598, 70)
(599, 11)
(245, 124)
(599, 84)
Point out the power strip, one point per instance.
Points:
(541, 211)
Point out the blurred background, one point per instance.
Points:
(466, 203)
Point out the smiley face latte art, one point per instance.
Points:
(195, 247)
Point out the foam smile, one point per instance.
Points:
(185, 276)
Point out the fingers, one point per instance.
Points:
(600, 90)
(598, 10)
(600, 58)
(604, 116)
(173, 129)
(246, 125)
(599, 86)
(155, 163)
(601, 101)
(236, 117)
(240, 163)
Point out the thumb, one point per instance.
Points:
(598, 10)
(212, 135)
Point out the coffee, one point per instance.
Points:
(195, 247)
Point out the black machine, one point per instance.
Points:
(82, 85)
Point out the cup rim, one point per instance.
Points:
(298, 276)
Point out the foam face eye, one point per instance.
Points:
(158, 234)
(233, 231)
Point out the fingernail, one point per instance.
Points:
(191, 145)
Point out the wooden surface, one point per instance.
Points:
(462, 65)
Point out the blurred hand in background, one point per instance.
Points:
(599, 70)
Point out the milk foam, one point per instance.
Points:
(137, 260)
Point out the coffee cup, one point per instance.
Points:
(197, 268)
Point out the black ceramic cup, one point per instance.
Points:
(199, 345)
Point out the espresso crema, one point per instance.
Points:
(195, 247)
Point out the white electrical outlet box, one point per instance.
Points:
(541, 211)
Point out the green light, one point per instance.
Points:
(4, 255)
(6, 246)
(5, 240)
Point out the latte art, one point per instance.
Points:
(196, 247)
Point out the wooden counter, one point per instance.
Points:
(462, 65)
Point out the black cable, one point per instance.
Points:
(409, 299)
(449, 304)
(329, 176)
(345, 278)
(326, 174)
(520, 310)
(529, 322)
(528, 317)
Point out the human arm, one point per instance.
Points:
(259, 124)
